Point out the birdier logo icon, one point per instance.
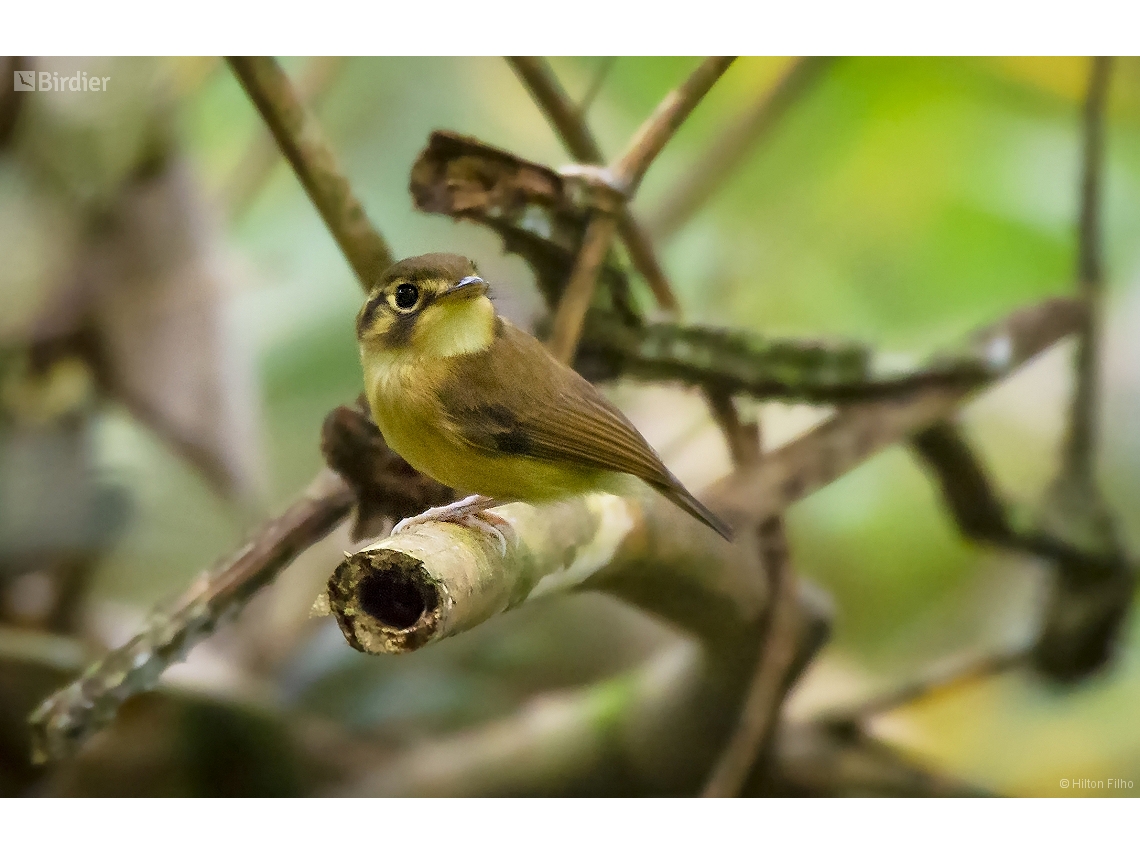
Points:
(50, 81)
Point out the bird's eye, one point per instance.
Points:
(407, 295)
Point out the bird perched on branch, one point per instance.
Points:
(476, 403)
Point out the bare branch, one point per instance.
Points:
(1079, 453)
(942, 678)
(620, 737)
(572, 129)
(305, 147)
(644, 257)
(814, 759)
(743, 440)
(754, 493)
(67, 718)
(596, 82)
(729, 148)
(659, 128)
(769, 684)
(965, 485)
(980, 513)
(579, 291)
(626, 174)
(540, 80)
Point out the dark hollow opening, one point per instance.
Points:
(394, 600)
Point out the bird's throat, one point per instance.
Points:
(466, 326)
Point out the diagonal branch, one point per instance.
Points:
(596, 82)
(760, 711)
(941, 678)
(540, 80)
(68, 717)
(966, 487)
(730, 148)
(304, 145)
(1079, 453)
(753, 493)
(658, 129)
(62, 722)
(579, 292)
(257, 163)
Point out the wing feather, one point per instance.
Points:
(530, 404)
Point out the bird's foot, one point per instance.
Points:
(473, 511)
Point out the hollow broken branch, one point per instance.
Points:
(438, 579)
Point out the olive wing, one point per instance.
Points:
(515, 398)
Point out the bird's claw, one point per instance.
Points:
(472, 512)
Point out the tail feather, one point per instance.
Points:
(686, 501)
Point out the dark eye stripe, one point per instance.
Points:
(368, 313)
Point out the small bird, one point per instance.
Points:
(468, 398)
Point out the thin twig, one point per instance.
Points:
(579, 291)
(626, 173)
(303, 143)
(1079, 453)
(729, 148)
(760, 711)
(972, 500)
(569, 123)
(978, 510)
(939, 679)
(644, 257)
(658, 129)
(742, 439)
(595, 87)
(1091, 590)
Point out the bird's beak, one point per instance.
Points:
(465, 289)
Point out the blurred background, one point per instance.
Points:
(176, 322)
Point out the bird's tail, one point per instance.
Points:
(676, 493)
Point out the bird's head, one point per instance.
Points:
(430, 306)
